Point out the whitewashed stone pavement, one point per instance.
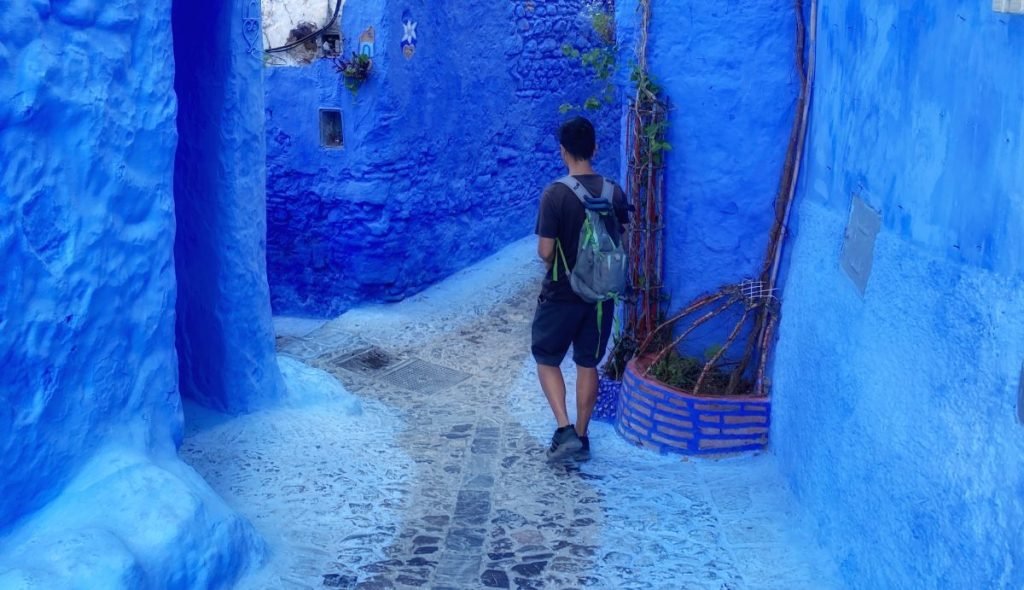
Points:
(449, 489)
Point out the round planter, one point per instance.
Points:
(659, 417)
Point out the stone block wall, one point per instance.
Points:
(445, 153)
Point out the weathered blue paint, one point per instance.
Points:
(225, 338)
(895, 414)
(728, 70)
(445, 154)
(86, 227)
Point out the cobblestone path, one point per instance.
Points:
(458, 495)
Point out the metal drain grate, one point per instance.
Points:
(423, 377)
(371, 361)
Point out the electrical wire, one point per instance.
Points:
(294, 44)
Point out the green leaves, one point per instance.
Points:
(653, 134)
(604, 25)
(601, 62)
(643, 81)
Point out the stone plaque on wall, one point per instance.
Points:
(859, 243)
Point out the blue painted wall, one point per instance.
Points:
(92, 491)
(445, 154)
(224, 333)
(86, 227)
(895, 412)
(728, 70)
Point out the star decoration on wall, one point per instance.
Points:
(409, 35)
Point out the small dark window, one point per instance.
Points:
(330, 128)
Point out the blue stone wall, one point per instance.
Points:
(92, 492)
(224, 334)
(445, 154)
(895, 413)
(728, 70)
(86, 228)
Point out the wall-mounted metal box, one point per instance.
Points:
(859, 243)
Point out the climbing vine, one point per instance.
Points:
(646, 146)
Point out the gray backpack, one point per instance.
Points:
(600, 272)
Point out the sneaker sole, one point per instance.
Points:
(565, 450)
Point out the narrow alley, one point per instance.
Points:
(429, 471)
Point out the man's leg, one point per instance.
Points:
(553, 328)
(553, 384)
(589, 344)
(586, 397)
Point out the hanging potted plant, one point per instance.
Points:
(355, 71)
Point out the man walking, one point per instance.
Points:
(563, 317)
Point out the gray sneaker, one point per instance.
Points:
(564, 443)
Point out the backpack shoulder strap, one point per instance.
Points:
(577, 187)
(589, 201)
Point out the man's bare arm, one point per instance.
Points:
(546, 250)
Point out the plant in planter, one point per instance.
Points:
(355, 71)
(687, 373)
(715, 374)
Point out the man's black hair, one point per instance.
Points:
(578, 138)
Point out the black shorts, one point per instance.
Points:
(558, 324)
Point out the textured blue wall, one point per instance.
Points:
(895, 413)
(728, 69)
(86, 228)
(445, 154)
(225, 337)
(92, 492)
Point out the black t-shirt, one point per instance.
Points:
(561, 217)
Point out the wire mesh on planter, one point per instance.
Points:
(608, 391)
